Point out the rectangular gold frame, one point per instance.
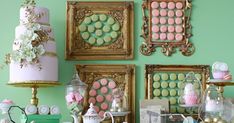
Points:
(124, 75)
(77, 49)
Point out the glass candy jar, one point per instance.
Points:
(120, 101)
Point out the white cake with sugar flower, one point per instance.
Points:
(34, 57)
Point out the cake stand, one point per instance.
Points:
(35, 85)
(220, 83)
(120, 116)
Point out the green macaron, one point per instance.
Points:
(94, 18)
(91, 28)
(102, 17)
(156, 77)
(106, 28)
(82, 28)
(87, 20)
(114, 34)
(92, 40)
(85, 35)
(116, 27)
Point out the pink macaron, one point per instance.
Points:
(170, 36)
(100, 98)
(101, 113)
(97, 109)
(178, 20)
(104, 106)
(171, 21)
(92, 92)
(108, 97)
(179, 29)
(163, 28)
(155, 36)
(112, 84)
(92, 100)
(104, 90)
(163, 12)
(171, 5)
(178, 37)
(171, 13)
(104, 81)
(171, 29)
(155, 20)
(163, 36)
(154, 5)
(96, 85)
(179, 13)
(179, 5)
(155, 28)
(155, 12)
(163, 20)
(163, 5)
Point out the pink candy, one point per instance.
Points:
(96, 85)
(171, 13)
(171, 21)
(155, 28)
(163, 5)
(104, 90)
(155, 36)
(100, 98)
(92, 92)
(170, 36)
(104, 106)
(154, 5)
(179, 13)
(190, 99)
(74, 97)
(179, 5)
(163, 20)
(179, 37)
(163, 12)
(163, 28)
(171, 5)
(179, 29)
(178, 20)
(163, 36)
(171, 28)
(155, 20)
(155, 12)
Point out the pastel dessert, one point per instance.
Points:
(107, 39)
(172, 84)
(85, 35)
(165, 92)
(92, 40)
(155, 36)
(92, 100)
(178, 21)
(164, 76)
(163, 36)
(104, 90)
(163, 20)
(156, 77)
(104, 106)
(114, 34)
(106, 28)
(102, 17)
(116, 27)
(98, 33)
(163, 28)
(110, 21)
(179, 13)
(171, 13)
(109, 97)
(96, 85)
(155, 20)
(181, 76)
(163, 12)
(181, 85)
(178, 37)
(112, 84)
(179, 5)
(172, 100)
(173, 76)
(172, 92)
(190, 95)
(91, 28)
(92, 92)
(101, 113)
(87, 20)
(164, 84)
(154, 5)
(100, 41)
(179, 29)
(104, 81)
(155, 28)
(155, 12)
(94, 18)
(100, 98)
(82, 28)
(171, 21)
(156, 84)
(170, 36)
(163, 5)
(98, 25)
(97, 109)
(220, 71)
(171, 5)
(156, 92)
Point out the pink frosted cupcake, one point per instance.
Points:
(109, 97)
(104, 106)
(92, 100)
(92, 92)
(112, 85)
(99, 98)
(97, 109)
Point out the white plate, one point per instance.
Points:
(120, 113)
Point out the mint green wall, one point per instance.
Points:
(213, 24)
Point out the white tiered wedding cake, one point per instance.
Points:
(34, 56)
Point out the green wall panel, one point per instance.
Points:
(213, 24)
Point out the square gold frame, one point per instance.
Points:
(78, 49)
(167, 47)
(124, 75)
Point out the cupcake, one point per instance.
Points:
(220, 71)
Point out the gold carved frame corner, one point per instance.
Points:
(169, 47)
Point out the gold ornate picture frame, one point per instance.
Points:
(101, 76)
(166, 24)
(166, 81)
(99, 30)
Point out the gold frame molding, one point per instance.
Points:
(167, 47)
(124, 76)
(78, 49)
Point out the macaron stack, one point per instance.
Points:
(99, 29)
(167, 20)
(169, 85)
(100, 94)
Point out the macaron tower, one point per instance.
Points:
(220, 71)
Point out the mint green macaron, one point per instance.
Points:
(92, 40)
(82, 28)
(98, 25)
(164, 84)
(156, 84)
(106, 28)
(100, 41)
(172, 84)
(156, 92)
(102, 17)
(107, 39)
(94, 17)
(173, 76)
(114, 34)
(110, 21)
(172, 92)
(116, 27)
(87, 20)
(156, 77)
(91, 28)
(98, 33)
(165, 92)
(164, 76)
(181, 76)
(85, 35)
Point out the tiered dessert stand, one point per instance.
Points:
(35, 85)
(220, 84)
